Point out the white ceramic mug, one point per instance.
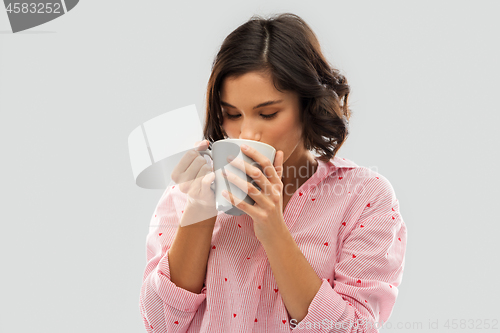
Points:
(220, 151)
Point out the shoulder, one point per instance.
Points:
(345, 177)
(360, 174)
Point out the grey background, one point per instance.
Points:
(423, 76)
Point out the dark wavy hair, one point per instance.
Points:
(287, 49)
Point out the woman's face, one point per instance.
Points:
(277, 123)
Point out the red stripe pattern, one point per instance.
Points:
(345, 220)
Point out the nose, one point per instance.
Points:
(249, 131)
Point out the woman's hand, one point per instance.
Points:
(267, 212)
(194, 177)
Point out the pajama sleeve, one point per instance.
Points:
(164, 306)
(369, 266)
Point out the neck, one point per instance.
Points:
(297, 169)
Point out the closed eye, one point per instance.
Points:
(265, 116)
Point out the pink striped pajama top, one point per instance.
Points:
(346, 221)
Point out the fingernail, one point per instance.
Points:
(230, 157)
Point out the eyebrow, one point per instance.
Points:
(255, 107)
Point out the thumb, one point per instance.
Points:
(199, 144)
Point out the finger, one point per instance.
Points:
(208, 179)
(202, 178)
(255, 173)
(186, 160)
(245, 186)
(204, 170)
(183, 165)
(259, 159)
(249, 169)
(240, 204)
(278, 164)
(263, 162)
(201, 145)
(193, 171)
(197, 143)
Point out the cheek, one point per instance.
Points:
(290, 129)
(286, 135)
(228, 128)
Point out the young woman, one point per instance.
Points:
(322, 248)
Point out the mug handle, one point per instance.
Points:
(209, 153)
